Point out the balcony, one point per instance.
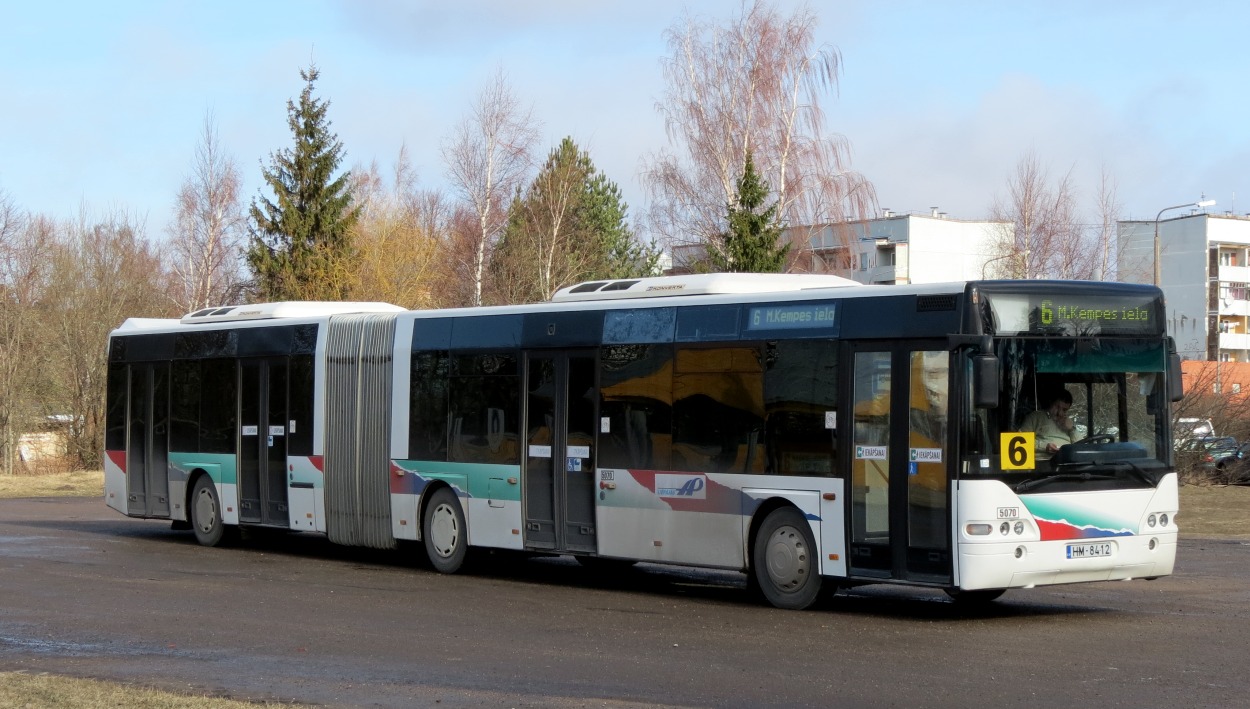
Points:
(1234, 274)
(1234, 341)
(1235, 308)
(881, 274)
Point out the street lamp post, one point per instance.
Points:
(1200, 204)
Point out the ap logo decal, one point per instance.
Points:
(690, 487)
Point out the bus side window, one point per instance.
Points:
(800, 403)
(427, 413)
(484, 402)
(636, 401)
(718, 411)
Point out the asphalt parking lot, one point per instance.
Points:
(87, 592)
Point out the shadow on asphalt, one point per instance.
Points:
(704, 585)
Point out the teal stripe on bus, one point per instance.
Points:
(221, 467)
(471, 478)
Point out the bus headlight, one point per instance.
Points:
(1019, 528)
(1151, 520)
(1004, 528)
(978, 530)
(1163, 519)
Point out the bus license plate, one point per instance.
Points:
(1085, 551)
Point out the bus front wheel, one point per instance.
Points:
(784, 565)
(446, 538)
(206, 512)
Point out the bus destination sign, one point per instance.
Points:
(1075, 314)
(792, 317)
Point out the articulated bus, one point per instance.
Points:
(809, 431)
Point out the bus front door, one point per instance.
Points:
(147, 450)
(900, 501)
(262, 441)
(559, 460)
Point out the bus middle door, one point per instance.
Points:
(559, 473)
(900, 453)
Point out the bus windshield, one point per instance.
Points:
(1074, 411)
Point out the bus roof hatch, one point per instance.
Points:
(288, 309)
(700, 284)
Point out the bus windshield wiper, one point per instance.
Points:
(1137, 471)
(1061, 477)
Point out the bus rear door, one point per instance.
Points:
(147, 450)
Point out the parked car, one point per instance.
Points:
(1234, 467)
(1188, 429)
(1210, 453)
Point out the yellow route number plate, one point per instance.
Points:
(1016, 451)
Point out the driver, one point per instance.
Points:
(1051, 426)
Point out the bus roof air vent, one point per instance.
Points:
(935, 303)
(288, 309)
(700, 284)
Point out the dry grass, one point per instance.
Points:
(79, 483)
(1215, 511)
(22, 690)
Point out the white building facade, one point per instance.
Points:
(1204, 269)
(904, 248)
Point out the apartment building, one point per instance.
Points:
(901, 248)
(1204, 269)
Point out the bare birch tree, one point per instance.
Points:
(463, 232)
(206, 236)
(487, 157)
(752, 85)
(1108, 209)
(1044, 237)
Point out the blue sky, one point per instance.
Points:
(102, 103)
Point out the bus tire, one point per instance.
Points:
(784, 565)
(444, 531)
(206, 512)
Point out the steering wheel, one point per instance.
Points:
(1100, 438)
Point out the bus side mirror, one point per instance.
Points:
(985, 377)
(1176, 389)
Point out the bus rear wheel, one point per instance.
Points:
(446, 537)
(784, 565)
(206, 512)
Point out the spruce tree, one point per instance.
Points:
(603, 212)
(750, 244)
(301, 241)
